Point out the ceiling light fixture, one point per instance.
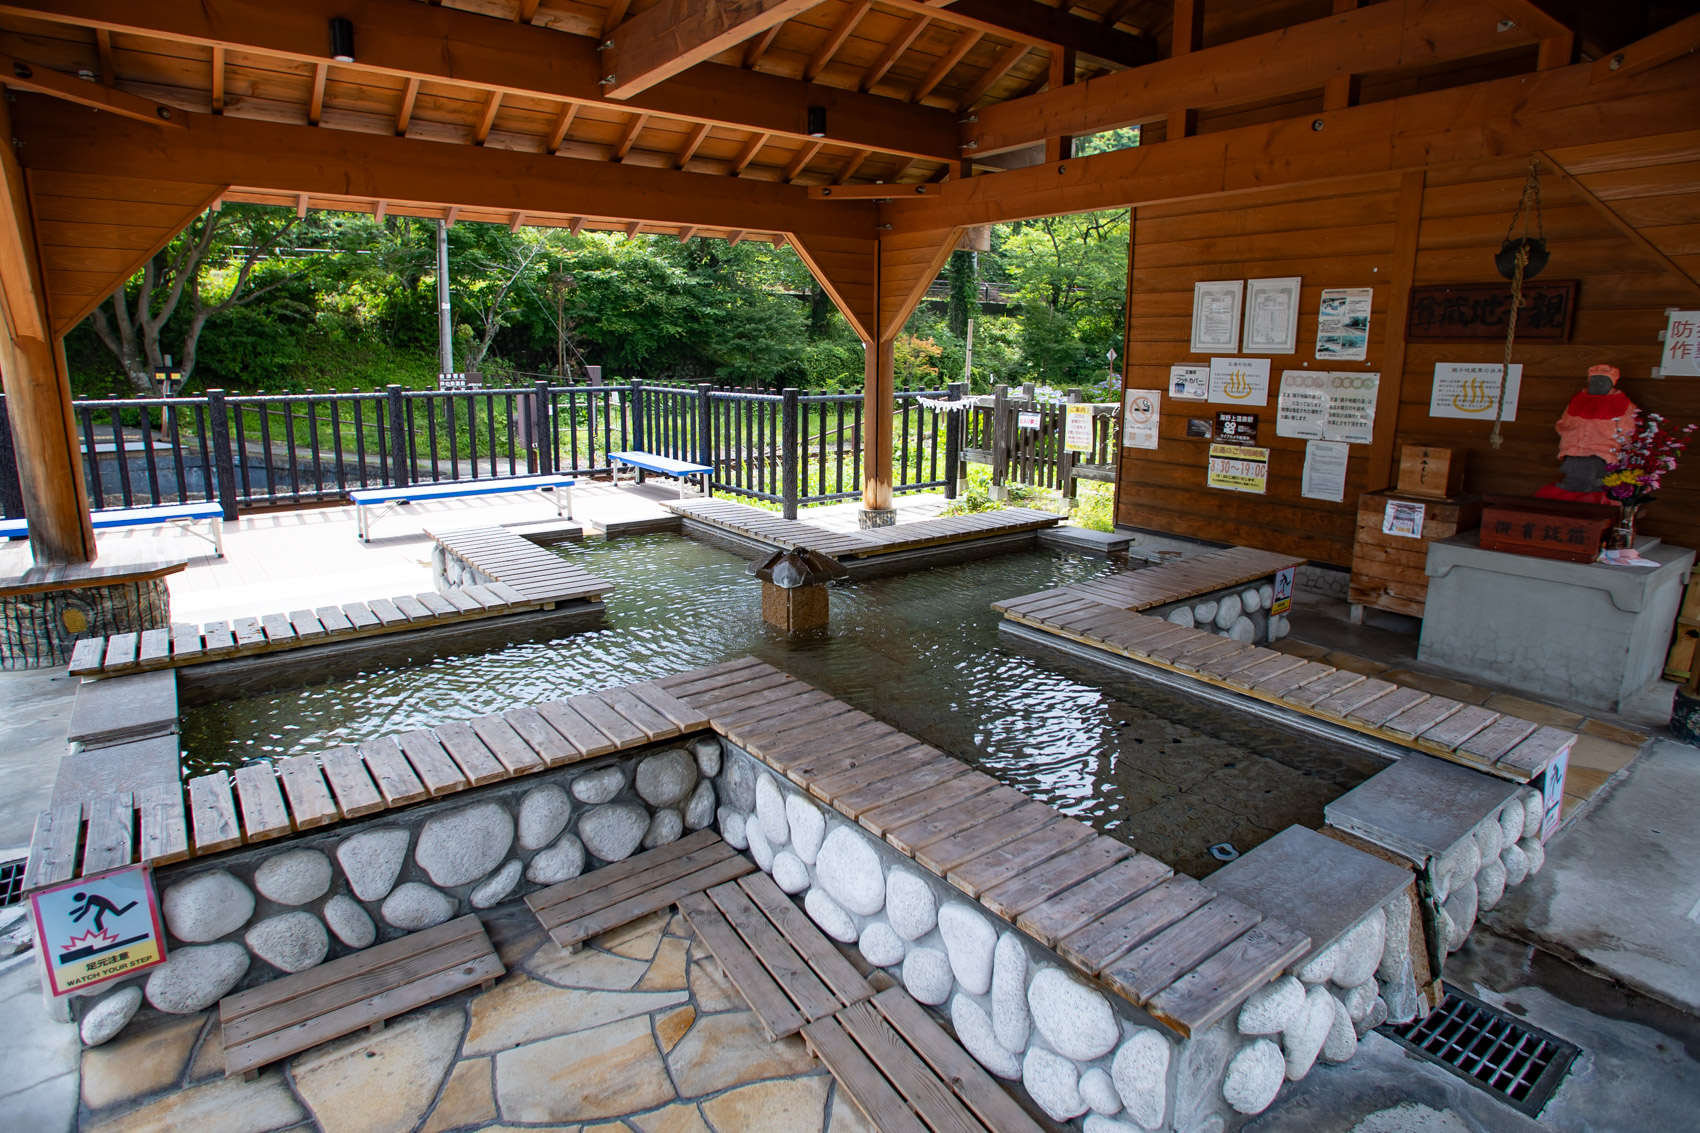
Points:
(342, 39)
(817, 121)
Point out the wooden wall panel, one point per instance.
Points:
(1625, 222)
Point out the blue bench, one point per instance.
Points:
(182, 516)
(365, 499)
(683, 470)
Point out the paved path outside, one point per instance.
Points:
(35, 711)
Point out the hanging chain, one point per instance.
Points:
(1531, 197)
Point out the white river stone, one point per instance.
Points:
(1243, 630)
(561, 862)
(600, 786)
(1141, 1075)
(741, 784)
(760, 849)
(294, 877)
(1357, 1001)
(849, 869)
(833, 921)
(1516, 864)
(349, 922)
(665, 778)
(1182, 616)
(699, 808)
(1511, 824)
(881, 947)
(789, 872)
(770, 811)
(1534, 813)
(1461, 907)
(1010, 1020)
(110, 1015)
(1273, 1008)
(974, 1032)
(1360, 950)
(1054, 1082)
(1251, 601)
(1266, 595)
(926, 975)
(910, 904)
(494, 889)
(1254, 1077)
(1075, 1020)
(543, 814)
(196, 977)
(1489, 839)
(1099, 1092)
(611, 832)
(1228, 611)
(1490, 883)
(1396, 949)
(665, 828)
(707, 752)
(413, 906)
(968, 940)
(808, 827)
(291, 942)
(732, 828)
(1205, 611)
(1303, 1041)
(1536, 852)
(207, 906)
(1320, 968)
(1342, 1040)
(464, 845)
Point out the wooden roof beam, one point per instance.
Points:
(1006, 62)
(615, 16)
(563, 123)
(409, 96)
(492, 103)
(757, 47)
(103, 47)
(19, 75)
(835, 38)
(686, 233)
(316, 101)
(675, 35)
(734, 238)
(1681, 38)
(797, 164)
(748, 154)
(629, 136)
(216, 80)
(407, 40)
(693, 142)
(947, 63)
(527, 11)
(632, 229)
(893, 48)
(1299, 58)
(1042, 24)
(851, 165)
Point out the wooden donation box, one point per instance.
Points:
(1583, 632)
(1548, 529)
(1390, 550)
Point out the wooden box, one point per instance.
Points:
(1432, 473)
(1679, 665)
(1388, 570)
(1547, 529)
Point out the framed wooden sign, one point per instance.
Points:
(1476, 312)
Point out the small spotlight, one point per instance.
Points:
(342, 39)
(817, 121)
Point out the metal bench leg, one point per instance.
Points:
(218, 536)
(569, 491)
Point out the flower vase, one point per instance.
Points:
(1623, 534)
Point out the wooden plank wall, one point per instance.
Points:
(1625, 223)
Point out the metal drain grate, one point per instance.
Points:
(1519, 1064)
(12, 882)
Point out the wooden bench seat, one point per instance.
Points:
(353, 992)
(602, 899)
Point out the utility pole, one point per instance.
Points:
(445, 323)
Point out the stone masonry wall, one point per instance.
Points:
(252, 915)
(1237, 612)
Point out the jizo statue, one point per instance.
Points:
(1591, 434)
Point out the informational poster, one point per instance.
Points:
(1552, 793)
(1189, 383)
(1681, 357)
(1141, 411)
(1325, 470)
(1403, 518)
(1237, 468)
(1200, 428)
(1272, 316)
(1236, 428)
(1471, 390)
(97, 928)
(1283, 590)
(1024, 420)
(1077, 429)
(1239, 381)
(1342, 324)
(1327, 405)
(1216, 315)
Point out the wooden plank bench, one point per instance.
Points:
(601, 899)
(354, 992)
(907, 1075)
(681, 470)
(505, 559)
(785, 968)
(184, 517)
(560, 489)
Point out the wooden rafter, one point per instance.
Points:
(1005, 63)
(851, 165)
(632, 229)
(748, 154)
(1634, 235)
(576, 225)
(409, 96)
(563, 123)
(492, 103)
(103, 46)
(378, 212)
(1681, 38)
(402, 40)
(300, 205)
(687, 232)
(674, 35)
(217, 80)
(19, 75)
(316, 101)
(615, 16)
(1040, 25)
(629, 136)
(757, 47)
(693, 142)
(527, 11)
(896, 47)
(450, 215)
(734, 237)
(518, 219)
(835, 38)
(1186, 35)
(780, 240)
(801, 159)
(947, 63)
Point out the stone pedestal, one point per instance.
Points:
(794, 609)
(1583, 632)
(876, 517)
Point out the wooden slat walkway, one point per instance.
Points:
(1093, 898)
(538, 575)
(1167, 582)
(767, 527)
(1498, 744)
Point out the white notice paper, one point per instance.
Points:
(1216, 315)
(1325, 470)
(1342, 324)
(1403, 518)
(1328, 405)
(1681, 357)
(1189, 383)
(1272, 315)
(1141, 411)
(1239, 381)
(1471, 391)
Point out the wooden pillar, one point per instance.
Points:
(1406, 228)
(1341, 91)
(879, 388)
(1063, 62)
(1187, 35)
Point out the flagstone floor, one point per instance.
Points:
(638, 1033)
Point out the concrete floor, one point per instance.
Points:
(35, 710)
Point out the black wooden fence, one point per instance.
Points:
(789, 449)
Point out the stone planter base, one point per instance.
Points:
(37, 630)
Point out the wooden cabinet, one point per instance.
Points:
(1679, 665)
(1388, 570)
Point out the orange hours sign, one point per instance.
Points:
(98, 928)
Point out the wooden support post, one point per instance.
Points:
(635, 414)
(1000, 441)
(1187, 35)
(879, 388)
(49, 456)
(705, 425)
(1063, 61)
(543, 427)
(1067, 459)
(399, 465)
(1380, 472)
(1341, 91)
(224, 467)
(788, 467)
(954, 427)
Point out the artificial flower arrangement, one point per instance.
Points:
(1649, 453)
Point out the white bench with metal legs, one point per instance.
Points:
(181, 516)
(682, 470)
(366, 499)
